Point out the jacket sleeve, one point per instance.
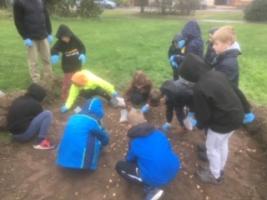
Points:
(243, 99)
(101, 134)
(106, 86)
(130, 154)
(73, 94)
(57, 48)
(47, 21)
(202, 109)
(81, 46)
(18, 18)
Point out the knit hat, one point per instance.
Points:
(135, 117)
(79, 78)
(193, 67)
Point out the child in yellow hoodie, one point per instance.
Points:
(87, 84)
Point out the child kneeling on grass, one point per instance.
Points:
(83, 138)
(150, 160)
(87, 84)
(73, 56)
(27, 119)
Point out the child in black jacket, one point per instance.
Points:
(178, 95)
(26, 118)
(73, 55)
(219, 108)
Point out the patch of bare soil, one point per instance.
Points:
(31, 174)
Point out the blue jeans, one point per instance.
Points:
(39, 126)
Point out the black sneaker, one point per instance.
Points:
(201, 147)
(202, 156)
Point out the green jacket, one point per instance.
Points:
(94, 82)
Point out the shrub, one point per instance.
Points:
(256, 11)
(89, 9)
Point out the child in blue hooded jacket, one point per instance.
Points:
(83, 138)
(150, 160)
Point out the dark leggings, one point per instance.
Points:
(129, 171)
(39, 126)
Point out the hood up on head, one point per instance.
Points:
(94, 108)
(64, 31)
(193, 67)
(36, 91)
(191, 30)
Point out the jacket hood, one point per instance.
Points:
(168, 86)
(193, 67)
(94, 108)
(36, 91)
(236, 47)
(191, 30)
(141, 130)
(64, 30)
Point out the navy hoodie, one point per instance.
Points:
(227, 63)
(70, 51)
(192, 34)
(152, 151)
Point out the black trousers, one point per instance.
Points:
(129, 171)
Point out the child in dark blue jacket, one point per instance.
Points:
(227, 50)
(150, 160)
(189, 41)
(83, 138)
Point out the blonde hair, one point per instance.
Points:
(225, 34)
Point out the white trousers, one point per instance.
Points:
(217, 151)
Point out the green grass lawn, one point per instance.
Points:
(119, 42)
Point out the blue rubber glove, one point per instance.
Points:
(145, 108)
(54, 59)
(50, 39)
(166, 127)
(191, 115)
(115, 94)
(181, 44)
(28, 42)
(63, 109)
(173, 61)
(82, 58)
(249, 117)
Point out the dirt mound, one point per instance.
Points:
(26, 173)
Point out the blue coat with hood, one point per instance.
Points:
(150, 149)
(192, 35)
(83, 138)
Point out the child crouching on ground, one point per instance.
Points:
(150, 160)
(83, 138)
(73, 56)
(87, 84)
(27, 119)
